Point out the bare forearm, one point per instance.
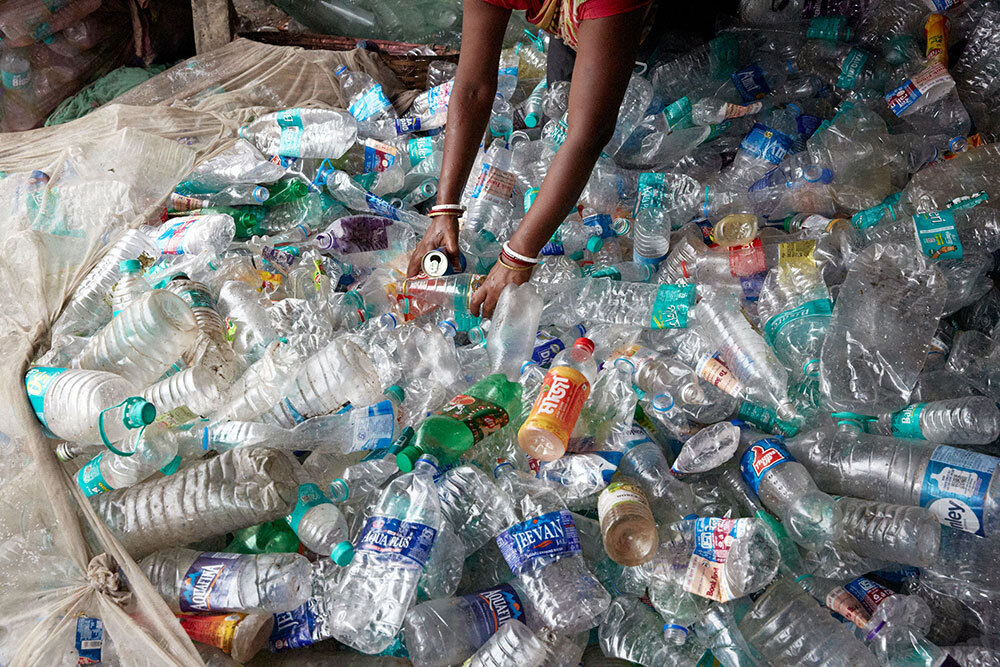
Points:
(468, 115)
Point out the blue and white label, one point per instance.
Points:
(551, 535)
(370, 104)
(407, 125)
(374, 426)
(293, 629)
(89, 640)
(438, 96)
(290, 122)
(603, 222)
(955, 485)
(750, 83)
(378, 205)
(766, 143)
(405, 542)
(492, 609)
(36, 383)
(546, 348)
(762, 456)
(902, 98)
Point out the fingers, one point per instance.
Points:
(477, 298)
(451, 244)
(416, 260)
(489, 304)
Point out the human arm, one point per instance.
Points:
(469, 105)
(606, 49)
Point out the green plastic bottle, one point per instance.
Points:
(466, 419)
(285, 191)
(247, 218)
(270, 537)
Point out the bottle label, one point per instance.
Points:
(752, 285)
(494, 185)
(765, 143)
(740, 110)
(374, 426)
(408, 543)
(89, 640)
(552, 535)
(706, 571)
(764, 419)
(902, 98)
(529, 197)
(718, 375)
(604, 463)
(482, 417)
(807, 124)
(873, 216)
(652, 191)
(760, 458)
(15, 80)
(936, 33)
(857, 600)
(419, 149)
(281, 260)
(293, 629)
(826, 27)
(213, 629)
(968, 201)
(370, 104)
(937, 235)
(89, 478)
(290, 138)
(671, 306)
(851, 68)
(209, 582)
(559, 402)
(750, 83)
(816, 308)
(906, 422)
(619, 493)
(382, 207)
(492, 609)
(602, 222)
(546, 348)
(171, 239)
(797, 250)
(747, 260)
(379, 156)
(438, 96)
(941, 5)
(955, 485)
(36, 383)
(406, 125)
(309, 496)
(677, 111)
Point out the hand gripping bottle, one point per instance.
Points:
(627, 526)
(545, 434)
(810, 516)
(380, 584)
(486, 407)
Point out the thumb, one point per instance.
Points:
(451, 247)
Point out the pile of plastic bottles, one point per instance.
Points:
(744, 410)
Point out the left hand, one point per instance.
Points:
(484, 301)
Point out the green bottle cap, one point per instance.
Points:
(129, 266)
(138, 412)
(343, 554)
(396, 391)
(595, 243)
(406, 458)
(339, 490)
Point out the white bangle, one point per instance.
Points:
(517, 255)
(448, 208)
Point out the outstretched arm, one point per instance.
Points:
(606, 49)
(483, 26)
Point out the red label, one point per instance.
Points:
(748, 259)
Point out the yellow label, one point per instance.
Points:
(797, 250)
(213, 629)
(559, 402)
(936, 32)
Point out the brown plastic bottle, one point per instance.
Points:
(627, 525)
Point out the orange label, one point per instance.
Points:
(559, 402)
(714, 371)
(213, 629)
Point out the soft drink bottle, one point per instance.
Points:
(970, 420)
(487, 406)
(130, 286)
(198, 581)
(545, 434)
(392, 549)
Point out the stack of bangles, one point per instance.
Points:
(515, 261)
(445, 209)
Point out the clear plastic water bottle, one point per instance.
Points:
(512, 643)
(971, 420)
(898, 533)
(87, 407)
(633, 107)
(307, 133)
(246, 318)
(194, 235)
(474, 505)
(205, 581)
(707, 449)
(144, 340)
(197, 388)
(511, 337)
(130, 286)
(650, 237)
(318, 523)
(344, 189)
(443, 570)
(359, 481)
(365, 97)
(153, 450)
(632, 631)
(633, 304)
(392, 549)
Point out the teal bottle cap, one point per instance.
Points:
(130, 266)
(531, 119)
(397, 392)
(343, 554)
(138, 412)
(339, 490)
(595, 243)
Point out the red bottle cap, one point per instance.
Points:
(585, 343)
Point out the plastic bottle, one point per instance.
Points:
(474, 505)
(130, 286)
(318, 523)
(511, 337)
(973, 420)
(898, 533)
(197, 388)
(365, 97)
(205, 581)
(343, 188)
(357, 482)
(630, 304)
(650, 237)
(514, 641)
(87, 407)
(194, 234)
(144, 340)
(632, 631)
(707, 449)
(634, 104)
(627, 526)
(484, 408)
(306, 133)
(367, 617)
(153, 450)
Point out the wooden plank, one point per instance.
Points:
(211, 24)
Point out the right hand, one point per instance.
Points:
(443, 233)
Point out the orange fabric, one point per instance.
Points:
(559, 17)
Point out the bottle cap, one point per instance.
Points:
(343, 554)
(585, 343)
(595, 243)
(407, 457)
(138, 412)
(339, 490)
(531, 119)
(396, 391)
(129, 266)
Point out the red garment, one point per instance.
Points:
(590, 9)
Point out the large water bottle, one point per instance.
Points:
(544, 552)
(365, 98)
(474, 505)
(88, 308)
(650, 236)
(358, 482)
(959, 486)
(886, 313)
(898, 533)
(514, 643)
(511, 337)
(223, 582)
(810, 516)
(197, 388)
(144, 340)
(239, 488)
(86, 407)
(154, 450)
(443, 570)
(629, 304)
(344, 189)
(392, 549)
(130, 286)
(970, 420)
(633, 107)
(194, 235)
(789, 629)
(310, 133)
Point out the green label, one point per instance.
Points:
(670, 309)
(826, 27)
(677, 111)
(764, 419)
(937, 235)
(309, 496)
(290, 122)
(851, 68)
(906, 422)
(481, 417)
(90, 479)
(15, 80)
(36, 383)
(606, 272)
(967, 201)
(651, 191)
(820, 307)
(419, 149)
(873, 216)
